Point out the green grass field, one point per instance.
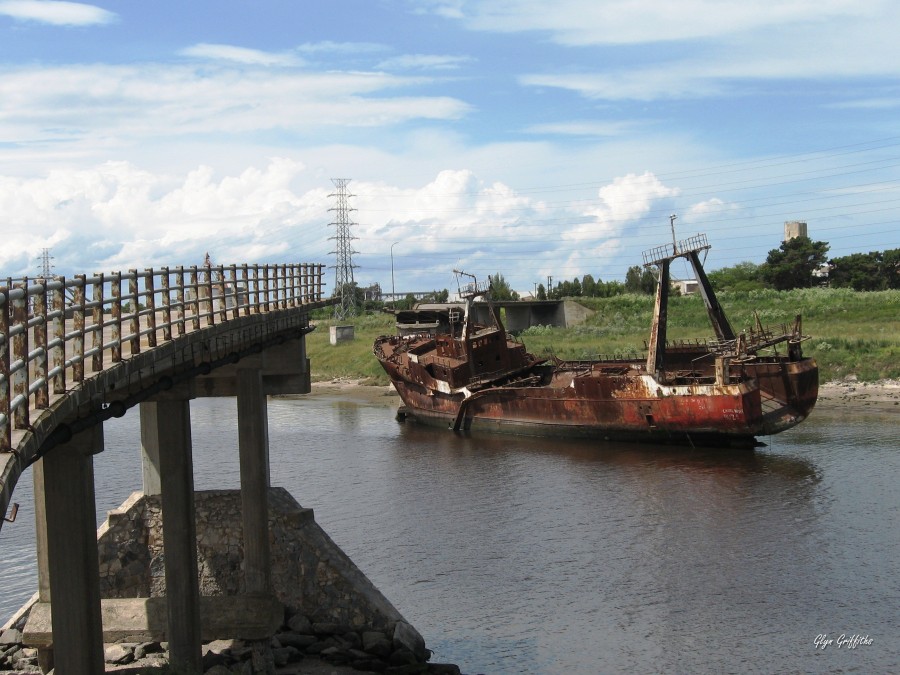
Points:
(851, 333)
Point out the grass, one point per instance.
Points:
(851, 333)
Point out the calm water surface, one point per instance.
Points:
(518, 555)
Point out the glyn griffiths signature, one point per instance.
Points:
(843, 641)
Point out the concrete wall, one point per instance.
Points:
(310, 574)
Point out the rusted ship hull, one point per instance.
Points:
(624, 407)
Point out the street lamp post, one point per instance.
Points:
(393, 292)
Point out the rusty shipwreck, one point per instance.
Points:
(724, 391)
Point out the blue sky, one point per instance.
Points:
(488, 135)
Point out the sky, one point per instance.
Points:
(530, 139)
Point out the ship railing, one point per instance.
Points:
(658, 254)
(474, 288)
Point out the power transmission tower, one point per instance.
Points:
(46, 265)
(343, 268)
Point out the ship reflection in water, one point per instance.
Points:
(529, 555)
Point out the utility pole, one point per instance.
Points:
(343, 268)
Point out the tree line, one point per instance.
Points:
(798, 263)
(803, 263)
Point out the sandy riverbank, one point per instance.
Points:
(846, 395)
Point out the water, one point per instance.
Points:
(518, 555)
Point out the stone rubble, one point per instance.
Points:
(366, 650)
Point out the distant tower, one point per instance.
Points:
(343, 268)
(794, 229)
(46, 265)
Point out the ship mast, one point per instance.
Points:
(662, 257)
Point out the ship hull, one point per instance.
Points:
(626, 407)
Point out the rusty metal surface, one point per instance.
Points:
(624, 406)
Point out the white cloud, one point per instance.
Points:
(701, 48)
(668, 81)
(588, 128)
(123, 105)
(56, 13)
(330, 47)
(424, 62)
(117, 216)
(587, 22)
(255, 57)
(627, 199)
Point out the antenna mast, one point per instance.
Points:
(343, 268)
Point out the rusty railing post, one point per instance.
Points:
(116, 313)
(166, 303)
(78, 310)
(97, 324)
(195, 298)
(39, 316)
(150, 295)
(20, 415)
(57, 330)
(134, 317)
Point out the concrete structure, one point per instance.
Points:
(339, 334)
(308, 573)
(793, 229)
(519, 315)
(686, 286)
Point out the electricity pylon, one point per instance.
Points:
(344, 284)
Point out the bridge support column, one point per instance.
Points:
(176, 473)
(67, 553)
(151, 481)
(253, 448)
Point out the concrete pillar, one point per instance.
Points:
(68, 565)
(253, 447)
(45, 655)
(253, 444)
(152, 484)
(173, 428)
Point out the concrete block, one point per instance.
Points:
(341, 334)
(246, 617)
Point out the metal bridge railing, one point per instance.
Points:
(51, 330)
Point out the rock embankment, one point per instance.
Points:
(299, 647)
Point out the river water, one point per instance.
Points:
(519, 555)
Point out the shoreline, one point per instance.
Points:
(845, 396)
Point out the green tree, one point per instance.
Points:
(612, 288)
(437, 296)
(633, 279)
(640, 280)
(890, 265)
(859, 271)
(541, 292)
(588, 286)
(792, 264)
(500, 288)
(744, 276)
